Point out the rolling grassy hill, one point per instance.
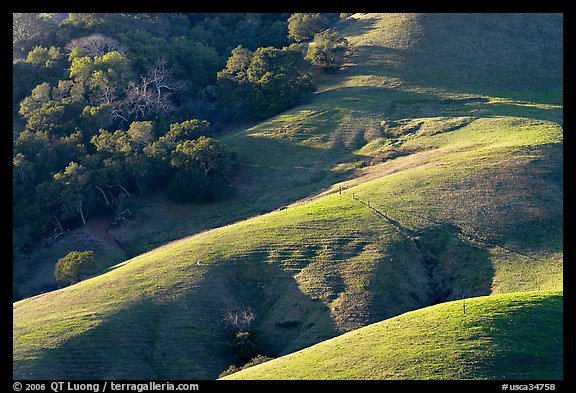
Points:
(511, 336)
(397, 189)
(389, 84)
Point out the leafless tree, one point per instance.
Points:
(153, 95)
(96, 45)
(122, 212)
(240, 319)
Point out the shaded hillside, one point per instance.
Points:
(384, 90)
(410, 195)
(482, 53)
(512, 336)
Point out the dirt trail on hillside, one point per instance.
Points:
(99, 229)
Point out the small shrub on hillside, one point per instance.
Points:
(244, 345)
(69, 268)
(230, 370)
(328, 51)
(243, 341)
(253, 362)
(288, 323)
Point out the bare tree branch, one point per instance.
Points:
(95, 45)
(58, 230)
(103, 194)
(153, 95)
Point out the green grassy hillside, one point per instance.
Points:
(476, 65)
(511, 336)
(398, 195)
(332, 264)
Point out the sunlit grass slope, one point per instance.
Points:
(398, 196)
(433, 232)
(444, 69)
(503, 54)
(512, 336)
(488, 69)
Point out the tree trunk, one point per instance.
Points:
(81, 212)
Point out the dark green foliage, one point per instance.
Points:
(63, 178)
(104, 77)
(243, 345)
(243, 340)
(159, 24)
(41, 56)
(259, 359)
(70, 268)
(41, 64)
(235, 92)
(205, 156)
(281, 77)
(71, 188)
(202, 168)
(224, 31)
(190, 60)
(44, 155)
(122, 157)
(109, 107)
(327, 51)
(303, 26)
(263, 83)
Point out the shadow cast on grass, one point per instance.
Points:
(432, 265)
(487, 54)
(186, 337)
(394, 104)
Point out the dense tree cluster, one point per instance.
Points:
(111, 106)
(303, 26)
(328, 51)
(59, 181)
(264, 82)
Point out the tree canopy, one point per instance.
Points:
(109, 107)
(264, 82)
(303, 26)
(327, 51)
(70, 268)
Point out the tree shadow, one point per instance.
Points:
(519, 51)
(394, 104)
(528, 341)
(527, 195)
